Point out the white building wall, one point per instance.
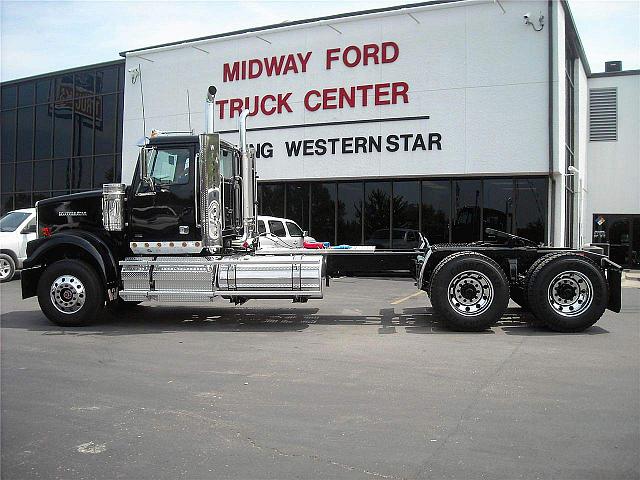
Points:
(581, 131)
(613, 181)
(557, 190)
(478, 72)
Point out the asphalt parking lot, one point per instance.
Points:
(363, 384)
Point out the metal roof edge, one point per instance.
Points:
(621, 73)
(295, 23)
(63, 72)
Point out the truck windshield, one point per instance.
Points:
(169, 166)
(12, 220)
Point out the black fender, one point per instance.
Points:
(78, 244)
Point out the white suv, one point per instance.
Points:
(16, 229)
(278, 232)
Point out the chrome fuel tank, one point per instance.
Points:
(235, 277)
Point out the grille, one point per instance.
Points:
(603, 114)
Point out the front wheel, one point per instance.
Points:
(569, 293)
(7, 268)
(469, 291)
(70, 293)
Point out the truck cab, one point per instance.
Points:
(184, 230)
(163, 199)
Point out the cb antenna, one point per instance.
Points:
(189, 111)
(136, 74)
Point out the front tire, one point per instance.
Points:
(70, 293)
(7, 268)
(569, 293)
(469, 291)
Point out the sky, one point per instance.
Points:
(43, 36)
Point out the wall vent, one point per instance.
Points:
(603, 114)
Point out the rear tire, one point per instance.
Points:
(7, 268)
(70, 293)
(569, 293)
(469, 291)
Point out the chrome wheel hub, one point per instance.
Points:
(67, 294)
(5, 268)
(470, 293)
(570, 293)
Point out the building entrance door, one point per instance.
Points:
(621, 233)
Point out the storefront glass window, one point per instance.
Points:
(8, 147)
(62, 129)
(81, 173)
(436, 210)
(43, 91)
(466, 210)
(42, 175)
(498, 204)
(531, 208)
(43, 131)
(377, 210)
(298, 204)
(24, 175)
(107, 80)
(406, 213)
(83, 126)
(272, 200)
(26, 92)
(7, 172)
(25, 134)
(9, 97)
(323, 206)
(60, 175)
(103, 170)
(6, 203)
(350, 213)
(105, 123)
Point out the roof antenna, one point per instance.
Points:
(189, 111)
(136, 74)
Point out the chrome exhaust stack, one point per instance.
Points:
(208, 205)
(208, 109)
(248, 180)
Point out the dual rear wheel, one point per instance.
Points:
(469, 291)
(565, 291)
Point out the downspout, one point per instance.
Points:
(552, 196)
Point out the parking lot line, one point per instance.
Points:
(400, 300)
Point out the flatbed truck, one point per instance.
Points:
(185, 230)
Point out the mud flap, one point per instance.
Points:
(614, 278)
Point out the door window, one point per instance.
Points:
(294, 230)
(261, 227)
(169, 166)
(277, 228)
(30, 227)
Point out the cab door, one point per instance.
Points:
(163, 209)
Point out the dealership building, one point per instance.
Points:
(444, 117)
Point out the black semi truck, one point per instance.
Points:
(185, 230)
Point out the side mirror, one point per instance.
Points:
(149, 183)
(145, 178)
(29, 229)
(305, 233)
